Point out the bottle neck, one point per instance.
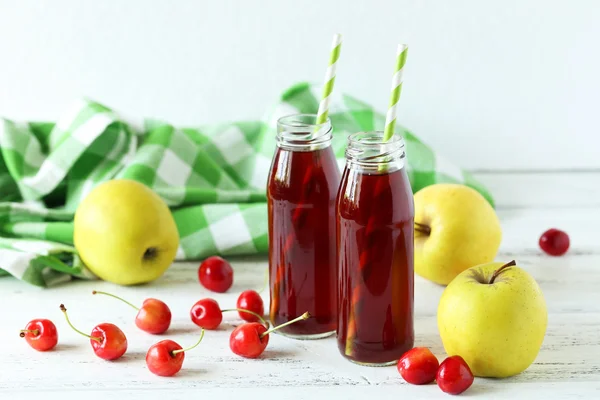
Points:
(301, 132)
(368, 153)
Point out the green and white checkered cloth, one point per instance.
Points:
(213, 177)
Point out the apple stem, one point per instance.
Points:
(64, 310)
(304, 316)
(422, 228)
(116, 297)
(502, 268)
(174, 352)
(25, 331)
(248, 312)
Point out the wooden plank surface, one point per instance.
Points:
(568, 365)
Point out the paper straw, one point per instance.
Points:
(390, 121)
(329, 79)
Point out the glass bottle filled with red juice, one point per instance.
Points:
(375, 233)
(301, 193)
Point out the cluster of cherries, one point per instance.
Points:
(419, 366)
(165, 358)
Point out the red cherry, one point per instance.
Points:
(162, 360)
(250, 340)
(107, 340)
(153, 317)
(165, 358)
(418, 366)
(454, 375)
(40, 334)
(250, 300)
(207, 314)
(215, 274)
(554, 242)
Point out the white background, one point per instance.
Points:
(501, 85)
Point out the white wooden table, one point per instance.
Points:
(568, 365)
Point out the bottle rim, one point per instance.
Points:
(302, 132)
(369, 148)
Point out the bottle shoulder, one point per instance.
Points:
(293, 173)
(389, 197)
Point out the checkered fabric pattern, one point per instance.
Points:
(213, 177)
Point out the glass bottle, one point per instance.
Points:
(375, 233)
(301, 193)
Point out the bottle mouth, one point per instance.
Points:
(369, 148)
(302, 132)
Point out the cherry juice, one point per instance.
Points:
(301, 195)
(375, 215)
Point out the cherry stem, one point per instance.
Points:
(249, 312)
(304, 316)
(422, 228)
(174, 352)
(26, 331)
(502, 268)
(64, 310)
(115, 297)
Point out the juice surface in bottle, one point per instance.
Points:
(301, 193)
(375, 231)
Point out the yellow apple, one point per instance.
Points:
(455, 229)
(125, 233)
(496, 324)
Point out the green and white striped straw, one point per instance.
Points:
(390, 121)
(329, 79)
